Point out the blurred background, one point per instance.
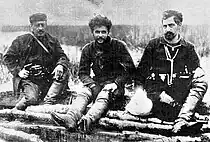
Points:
(134, 21)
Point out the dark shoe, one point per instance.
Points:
(64, 120)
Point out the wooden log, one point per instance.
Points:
(27, 116)
(60, 108)
(159, 138)
(125, 124)
(45, 131)
(132, 135)
(150, 123)
(126, 116)
(52, 133)
(17, 136)
(8, 99)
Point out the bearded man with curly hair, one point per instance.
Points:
(112, 66)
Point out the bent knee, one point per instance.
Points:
(32, 100)
(84, 92)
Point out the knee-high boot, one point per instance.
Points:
(75, 112)
(54, 91)
(95, 112)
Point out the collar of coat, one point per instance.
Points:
(182, 41)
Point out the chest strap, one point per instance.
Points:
(171, 59)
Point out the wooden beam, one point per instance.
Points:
(8, 134)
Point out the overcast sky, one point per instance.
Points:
(74, 12)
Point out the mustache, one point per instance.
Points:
(100, 38)
(40, 31)
(169, 33)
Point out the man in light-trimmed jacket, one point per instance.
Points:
(170, 74)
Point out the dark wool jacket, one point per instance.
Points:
(110, 61)
(154, 59)
(25, 46)
(187, 89)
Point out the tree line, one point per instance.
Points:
(136, 36)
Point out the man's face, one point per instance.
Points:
(170, 28)
(100, 34)
(39, 28)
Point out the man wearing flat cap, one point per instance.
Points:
(38, 64)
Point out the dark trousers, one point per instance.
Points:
(34, 92)
(101, 102)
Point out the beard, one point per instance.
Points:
(39, 33)
(169, 36)
(100, 40)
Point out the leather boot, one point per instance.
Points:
(76, 109)
(65, 120)
(54, 91)
(95, 112)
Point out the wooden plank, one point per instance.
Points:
(55, 133)
(17, 136)
(10, 115)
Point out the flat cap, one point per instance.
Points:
(38, 17)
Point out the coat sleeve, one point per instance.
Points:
(198, 89)
(144, 66)
(12, 57)
(85, 66)
(126, 62)
(198, 86)
(61, 57)
(193, 59)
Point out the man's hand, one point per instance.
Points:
(166, 98)
(58, 72)
(112, 87)
(23, 73)
(179, 124)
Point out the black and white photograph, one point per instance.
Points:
(104, 70)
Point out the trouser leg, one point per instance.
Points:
(75, 111)
(95, 112)
(54, 91)
(99, 107)
(79, 105)
(30, 96)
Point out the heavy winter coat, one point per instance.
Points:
(109, 61)
(25, 49)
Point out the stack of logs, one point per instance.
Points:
(35, 124)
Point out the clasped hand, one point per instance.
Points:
(23, 73)
(166, 98)
(58, 72)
